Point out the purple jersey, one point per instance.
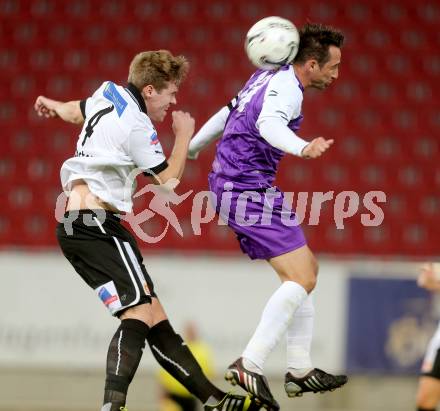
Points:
(243, 156)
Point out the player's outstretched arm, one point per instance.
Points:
(277, 134)
(209, 132)
(68, 111)
(316, 148)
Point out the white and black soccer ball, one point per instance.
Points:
(272, 42)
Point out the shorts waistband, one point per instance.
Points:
(99, 213)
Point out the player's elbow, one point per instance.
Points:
(77, 118)
(71, 112)
(270, 127)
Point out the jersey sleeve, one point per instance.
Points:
(83, 107)
(282, 103)
(146, 151)
(282, 99)
(209, 132)
(86, 105)
(231, 105)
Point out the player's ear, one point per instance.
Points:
(148, 91)
(312, 65)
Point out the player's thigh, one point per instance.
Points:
(142, 312)
(150, 314)
(299, 265)
(428, 393)
(158, 311)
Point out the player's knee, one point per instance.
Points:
(142, 312)
(312, 275)
(310, 283)
(425, 400)
(307, 280)
(312, 264)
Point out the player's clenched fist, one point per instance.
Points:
(316, 147)
(183, 124)
(46, 107)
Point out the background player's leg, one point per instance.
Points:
(124, 354)
(428, 394)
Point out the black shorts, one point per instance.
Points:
(106, 256)
(434, 369)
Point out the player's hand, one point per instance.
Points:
(45, 107)
(316, 147)
(427, 278)
(183, 124)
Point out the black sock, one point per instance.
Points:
(178, 360)
(425, 409)
(124, 353)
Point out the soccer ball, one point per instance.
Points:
(272, 42)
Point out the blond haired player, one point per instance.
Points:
(118, 137)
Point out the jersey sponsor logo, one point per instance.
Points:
(81, 154)
(109, 296)
(154, 139)
(112, 94)
(106, 297)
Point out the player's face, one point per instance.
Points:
(323, 76)
(158, 103)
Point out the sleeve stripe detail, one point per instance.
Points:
(157, 169)
(232, 103)
(82, 106)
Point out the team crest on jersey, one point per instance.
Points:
(154, 139)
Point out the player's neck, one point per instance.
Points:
(301, 74)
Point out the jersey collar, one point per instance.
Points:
(301, 87)
(137, 97)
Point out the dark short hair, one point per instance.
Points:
(314, 42)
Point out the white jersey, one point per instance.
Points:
(117, 139)
(431, 360)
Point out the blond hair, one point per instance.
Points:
(157, 68)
